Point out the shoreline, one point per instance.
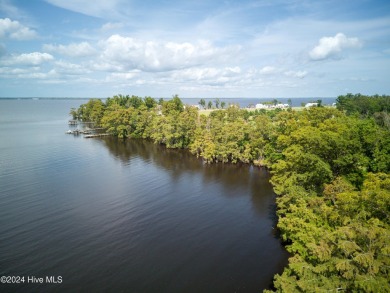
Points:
(315, 155)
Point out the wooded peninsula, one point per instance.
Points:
(330, 170)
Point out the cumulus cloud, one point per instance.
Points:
(329, 47)
(29, 59)
(14, 30)
(25, 73)
(130, 53)
(206, 76)
(83, 49)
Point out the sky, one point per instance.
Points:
(202, 48)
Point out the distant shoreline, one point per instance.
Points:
(165, 98)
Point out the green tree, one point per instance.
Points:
(173, 105)
(149, 102)
(175, 131)
(362, 104)
(74, 113)
(202, 102)
(299, 168)
(92, 111)
(217, 102)
(119, 121)
(134, 102)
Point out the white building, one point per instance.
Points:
(282, 106)
(308, 105)
(278, 106)
(261, 106)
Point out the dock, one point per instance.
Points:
(72, 122)
(86, 131)
(96, 135)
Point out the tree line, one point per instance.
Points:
(330, 169)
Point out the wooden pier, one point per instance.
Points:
(96, 135)
(88, 132)
(72, 122)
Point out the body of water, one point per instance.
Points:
(104, 215)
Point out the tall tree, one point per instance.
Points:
(217, 102)
(202, 102)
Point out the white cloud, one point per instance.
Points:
(111, 26)
(8, 8)
(96, 8)
(298, 74)
(83, 49)
(35, 75)
(9, 71)
(67, 68)
(30, 59)
(103, 65)
(121, 76)
(332, 46)
(140, 82)
(207, 74)
(30, 73)
(268, 70)
(235, 77)
(130, 53)
(14, 30)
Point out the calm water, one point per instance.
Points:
(114, 216)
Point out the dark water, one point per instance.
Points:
(114, 216)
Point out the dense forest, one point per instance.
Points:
(330, 171)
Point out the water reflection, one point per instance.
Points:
(236, 179)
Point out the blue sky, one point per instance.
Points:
(246, 48)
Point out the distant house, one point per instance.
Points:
(308, 105)
(281, 106)
(269, 106)
(261, 106)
